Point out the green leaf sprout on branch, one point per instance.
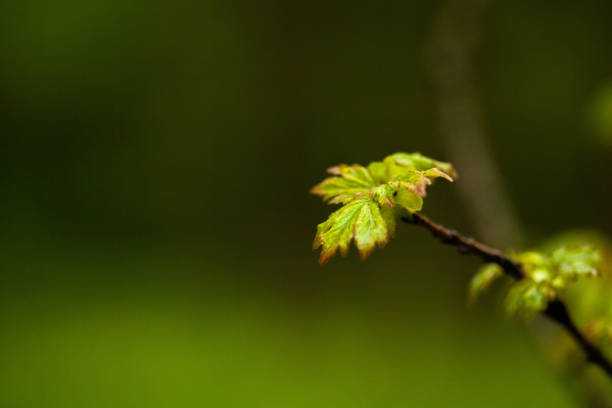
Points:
(373, 197)
(546, 277)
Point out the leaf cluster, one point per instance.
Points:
(546, 277)
(372, 198)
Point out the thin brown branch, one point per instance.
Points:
(556, 310)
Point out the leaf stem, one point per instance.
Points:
(556, 310)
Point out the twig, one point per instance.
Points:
(556, 309)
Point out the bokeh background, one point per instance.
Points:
(156, 231)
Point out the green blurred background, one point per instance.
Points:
(156, 222)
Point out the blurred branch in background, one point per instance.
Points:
(454, 40)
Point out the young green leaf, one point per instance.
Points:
(389, 215)
(419, 162)
(488, 274)
(527, 298)
(349, 181)
(373, 198)
(362, 220)
(412, 180)
(409, 200)
(370, 229)
(574, 262)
